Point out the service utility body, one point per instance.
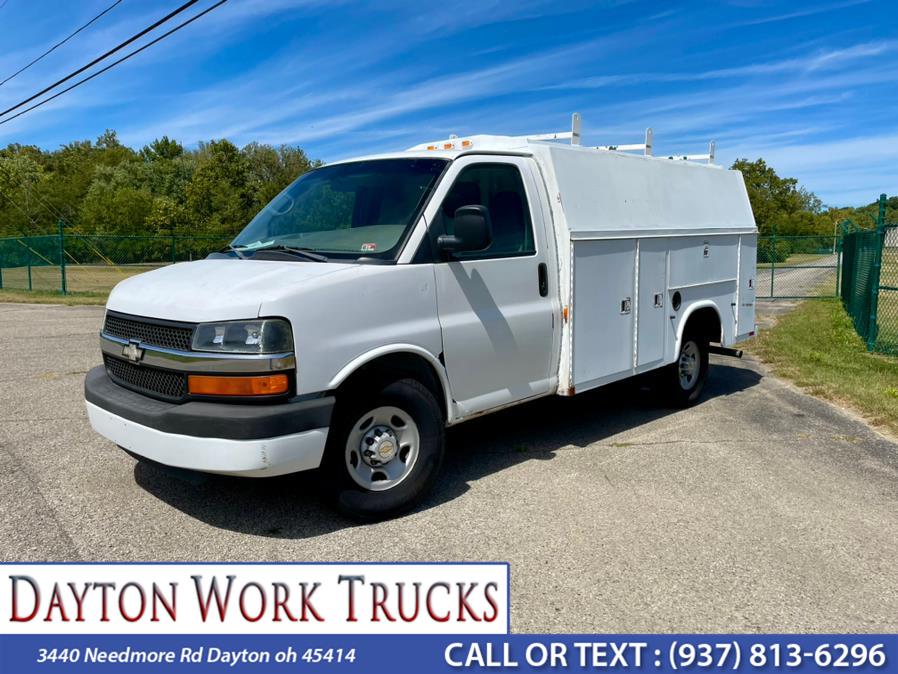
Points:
(376, 301)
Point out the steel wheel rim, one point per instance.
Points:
(689, 365)
(382, 448)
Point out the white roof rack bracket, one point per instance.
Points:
(712, 149)
(576, 121)
(573, 134)
(561, 135)
(645, 148)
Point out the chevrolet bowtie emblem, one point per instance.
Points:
(133, 352)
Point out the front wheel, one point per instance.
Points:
(384, 451)
(684, 380)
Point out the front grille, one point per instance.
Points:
(151, 380)
(166, 335)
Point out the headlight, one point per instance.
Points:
(264, 335)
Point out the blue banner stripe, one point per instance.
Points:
(374, 654)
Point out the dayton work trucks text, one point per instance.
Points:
(377, 301)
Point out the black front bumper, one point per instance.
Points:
(231, 421)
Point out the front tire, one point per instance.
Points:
(384, 450)
(684, 380)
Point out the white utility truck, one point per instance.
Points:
(377, 301)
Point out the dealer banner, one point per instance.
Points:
(354, 617)
(255, 598)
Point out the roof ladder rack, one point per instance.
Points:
(645, 147)
(712, 148)
(573, 134)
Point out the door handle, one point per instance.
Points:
(543, 274)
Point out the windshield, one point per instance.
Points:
(346, 210)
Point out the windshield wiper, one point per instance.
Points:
(232, 249)
(306, 253)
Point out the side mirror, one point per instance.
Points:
(473, 231)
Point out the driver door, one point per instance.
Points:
(494, 305)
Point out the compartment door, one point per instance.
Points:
(603, 310)
(651, 323)
(748, 258)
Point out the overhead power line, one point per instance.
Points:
(109, 53)
(60, 43)
(115, 63)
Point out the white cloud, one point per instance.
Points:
(850, 171)
(294, 115)
(798, 14)
(824, 59)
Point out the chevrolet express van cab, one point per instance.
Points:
(377, 301)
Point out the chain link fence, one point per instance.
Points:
(869, 287)
(859, 282)
(92, 264)
(861, 267)
(31, 263)
(794, 267)
(70, 262)
(887, 300)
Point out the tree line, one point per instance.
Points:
(165, 189)
(784, 207)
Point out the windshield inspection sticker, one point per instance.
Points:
(369, 247)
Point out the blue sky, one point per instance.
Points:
(811, 87)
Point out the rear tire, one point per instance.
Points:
(684, 380)
(384, 450)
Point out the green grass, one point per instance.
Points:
(86, 284)
(79, 278)
(816, 347)
(51, 297)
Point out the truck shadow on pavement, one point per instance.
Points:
(291, 507)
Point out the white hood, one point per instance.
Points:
(215, 290)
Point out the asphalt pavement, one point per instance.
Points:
(761, 509)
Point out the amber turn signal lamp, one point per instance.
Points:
(203, 385)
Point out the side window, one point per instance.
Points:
(500, 189)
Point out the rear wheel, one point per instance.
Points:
(684, 380)
(384, 450)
